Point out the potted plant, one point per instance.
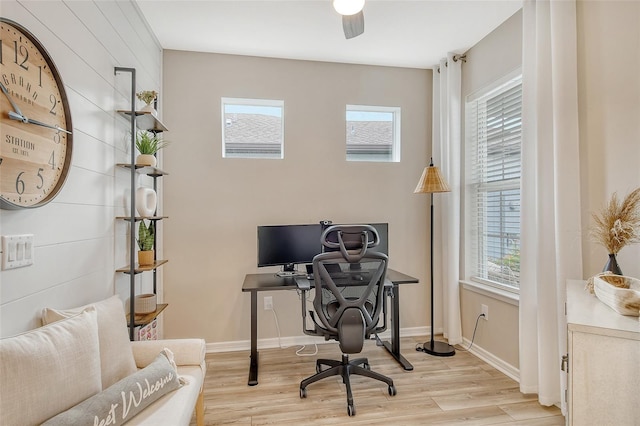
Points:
(147, 145)
(148, 96)
(146, 238)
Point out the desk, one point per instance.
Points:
(254, 283)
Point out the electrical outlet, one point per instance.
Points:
(268, 303)
(485, 312)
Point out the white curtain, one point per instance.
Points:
(446, 155)
(551, 230)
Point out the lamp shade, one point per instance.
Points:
(348, 7)
(431, 181)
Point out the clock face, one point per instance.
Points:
(35, 123)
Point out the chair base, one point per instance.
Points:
(345, 368)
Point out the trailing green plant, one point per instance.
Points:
(146, 235)
(148, 143)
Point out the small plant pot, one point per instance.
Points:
(145, 303)
(145, 257)
(146, 160)
(150, 109)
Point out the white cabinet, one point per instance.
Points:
(603, 361)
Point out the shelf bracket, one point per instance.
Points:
(132, 242)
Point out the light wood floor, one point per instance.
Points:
(458, 390)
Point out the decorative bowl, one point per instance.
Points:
(145, 303)
(620, 293)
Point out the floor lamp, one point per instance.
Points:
(431, 182)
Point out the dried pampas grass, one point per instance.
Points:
(618, 223)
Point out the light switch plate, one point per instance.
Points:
(17, 251)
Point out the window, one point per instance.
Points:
(492, 203)
(252, 128)
(373, 133)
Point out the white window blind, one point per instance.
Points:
(493, 165)
(252, 128)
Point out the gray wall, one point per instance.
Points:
(78, 242)
(215, 204)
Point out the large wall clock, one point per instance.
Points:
(35, 127)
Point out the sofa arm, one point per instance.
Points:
(185, 351)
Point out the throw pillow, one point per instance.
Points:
(49, 369)
(116, 356)
(122, 401)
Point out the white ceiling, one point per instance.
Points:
(414, 34)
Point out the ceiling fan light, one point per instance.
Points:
(348, 7)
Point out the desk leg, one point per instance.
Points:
(253, 364)
(394, 346)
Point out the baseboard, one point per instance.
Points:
(499, 364)
(285, 342)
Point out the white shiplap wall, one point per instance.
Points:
(78, 242)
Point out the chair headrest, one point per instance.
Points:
(352, 240)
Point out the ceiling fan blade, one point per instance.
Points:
(353, 25)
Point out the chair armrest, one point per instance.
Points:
(185, 351)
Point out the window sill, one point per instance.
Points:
(493, 292)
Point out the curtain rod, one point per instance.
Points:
(456, 58)
(462, 58)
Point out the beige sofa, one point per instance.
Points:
(82, 357)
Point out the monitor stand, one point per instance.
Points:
(288, 270)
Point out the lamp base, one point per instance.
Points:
(436, 348)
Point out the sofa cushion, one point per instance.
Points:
(122, 401)
(116, 357)
(185, 351)
(175, 408)
(49, 369)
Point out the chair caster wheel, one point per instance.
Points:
(366, 366)
(351, 410)
(392, 390)
(303, 393)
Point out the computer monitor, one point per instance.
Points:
(288, 245)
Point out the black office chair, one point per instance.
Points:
(349, 300)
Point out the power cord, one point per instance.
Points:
(420, 349)
(303, 347)
(275, 317)
(473, 337)
(299, 351)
